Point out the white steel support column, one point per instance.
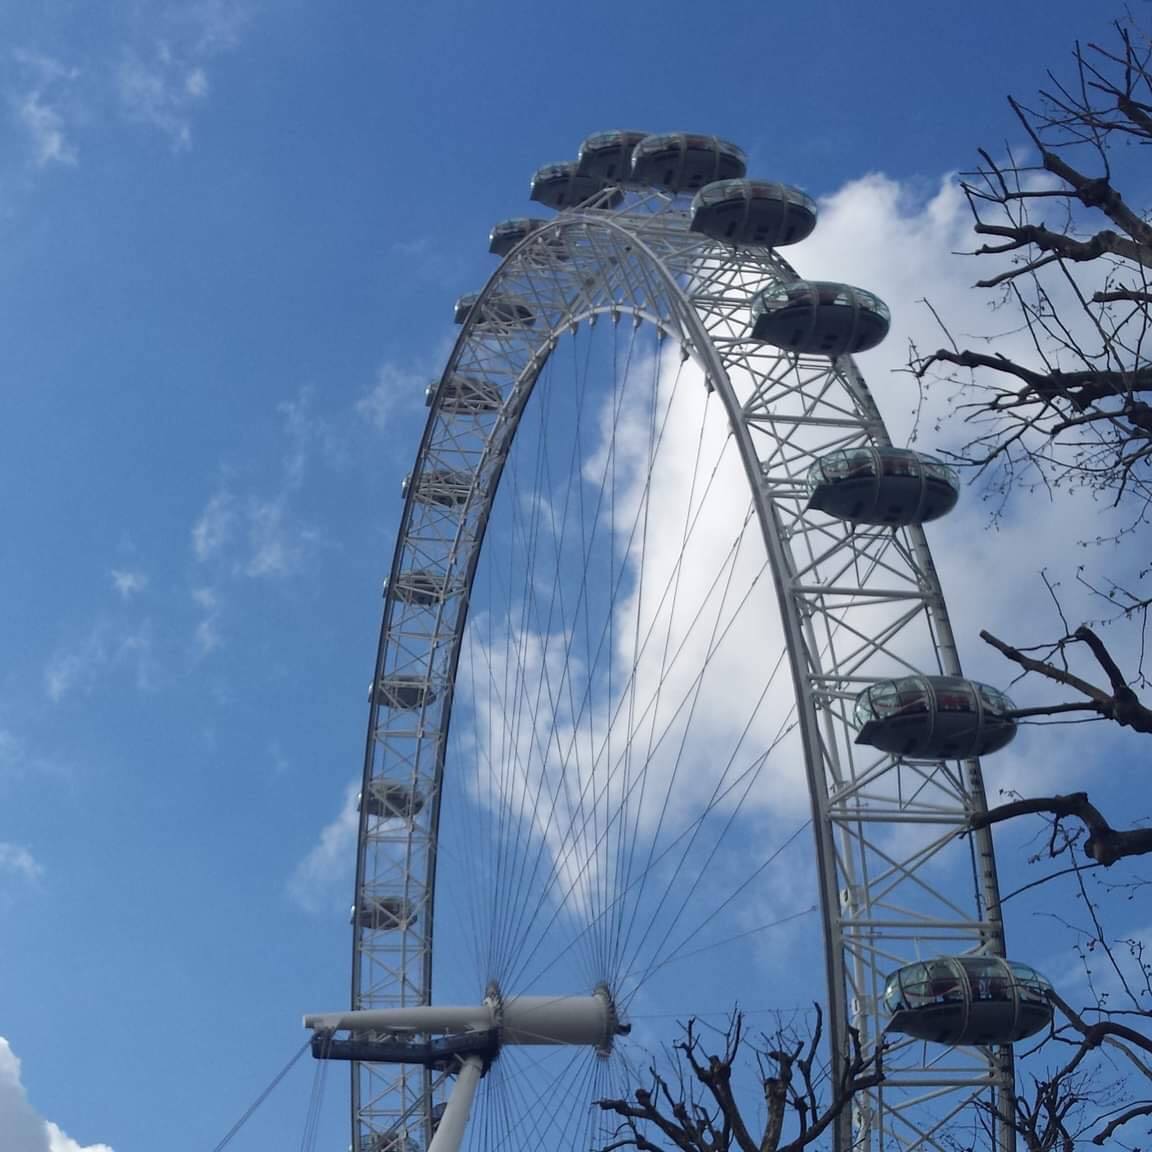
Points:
(453, 1124)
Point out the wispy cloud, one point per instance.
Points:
(208, 637)
(213, 527)
(39, 107)
(270, 551)
(161, 84)
(108, 645)
(45, 126)
(322, 879)
(160, 90)
(260, 535)
(25, 1130)
(16, 860)
(128, 583)
(396, 390)
(18, 761)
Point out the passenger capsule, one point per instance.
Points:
(500, 311)
(607, 156)
(383, 913)
(753, 212)
(496, 311)
(563, 186)
(390, 800)
(819, 318)
(934, 717)
(968, 1000)
(679, 162)
(440, 486)
(464, 394)
(394, 1140)
(893, 486)
(418, 587)
(405, 693)
(508, 233)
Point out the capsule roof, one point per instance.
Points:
(419, 586)
(383, 913)
(563, 186)
(440, 486)
(963, 1000)
(608, 155)
(497, 311)
(934, 717)
(461, 393)
(403, 692)
(882, 485)
(819, 317)
(684, 162)
(508, 233)
(391, 799)
(753, 212)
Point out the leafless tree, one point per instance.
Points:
(701, 1112)
(1073, 258)
(1072, 276)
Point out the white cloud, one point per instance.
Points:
(396, 390)
(24, 1129)
(162, 84)
(208, 637)
(209, 27)
(18, 861)
(302, 430)
(11, 752)
(257, 535)
(196, 83)
(44, 105)
(128, 583)
(153, 90)
(108, 645)
(17, 761)
(322, 881)
(43, 121)
(213, 527)
(271, 552)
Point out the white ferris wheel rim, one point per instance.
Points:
(683, 289)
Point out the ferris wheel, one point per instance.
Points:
(666, 705)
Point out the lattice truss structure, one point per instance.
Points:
(899, 876)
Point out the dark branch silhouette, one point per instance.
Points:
(800, 1104)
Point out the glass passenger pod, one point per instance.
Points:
(440, 486)
(418, 587)
(562, 186)
(679, 162)
(885, 486)
(405, 693)
(390, 800)
(753, 212)
(607, 156)
(934, 718)
(962, 1000)
(463, 307)
(508, 233)
(391, 1141)
(383, 913)
(464, 394)
(502, 311)
(819, 318)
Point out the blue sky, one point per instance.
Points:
(232, 235)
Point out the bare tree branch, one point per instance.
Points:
(1105, 844)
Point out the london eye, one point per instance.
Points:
(665, 667)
